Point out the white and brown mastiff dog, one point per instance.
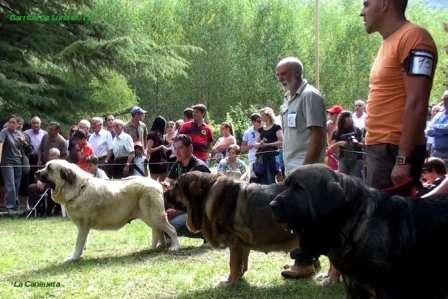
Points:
(106, 205)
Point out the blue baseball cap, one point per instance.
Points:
(137, 110)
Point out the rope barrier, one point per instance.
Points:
(159, 163)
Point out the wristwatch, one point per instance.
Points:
(127, 164)
(400, 160)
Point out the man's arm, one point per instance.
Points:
(41, 150)
(316, 140)
(1, 150)
(110, 146)
(418, 89)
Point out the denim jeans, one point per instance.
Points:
(269, 169)
(180, 224)
(353, 170)
(11, 179)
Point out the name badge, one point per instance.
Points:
(292, 119)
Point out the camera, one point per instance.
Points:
(353, 139)
(349, 137)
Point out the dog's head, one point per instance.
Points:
(315, 202)
(190, 192)
(57, 173)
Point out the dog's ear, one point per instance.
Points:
(324, 193)
(195, 188)
(68, 175)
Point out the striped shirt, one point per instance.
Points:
(201, 136)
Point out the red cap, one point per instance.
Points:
(138, 143)
(335, 109)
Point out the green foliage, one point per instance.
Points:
(111, 95)
(176, 53)
(49, 64)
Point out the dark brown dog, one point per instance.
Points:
(232, 214)
(385, 246)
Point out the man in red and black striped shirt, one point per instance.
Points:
(200, 133)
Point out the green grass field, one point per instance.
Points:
(119, 264)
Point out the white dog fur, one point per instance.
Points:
(93, 203)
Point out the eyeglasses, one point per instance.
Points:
(73, 131)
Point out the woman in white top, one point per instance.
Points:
(223, 143)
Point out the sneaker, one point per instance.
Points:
(296, 272)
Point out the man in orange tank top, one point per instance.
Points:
(400, 79)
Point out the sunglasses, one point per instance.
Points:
(258, 121)
(73, 131)
(186, 139)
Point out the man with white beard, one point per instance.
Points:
(304, 124)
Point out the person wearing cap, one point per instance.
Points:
(186, 162)
(359, 115)
(304, 141)
(331, 124)
(135, 127)
(200, 133)
(140, 161)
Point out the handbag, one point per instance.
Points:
(259, 167)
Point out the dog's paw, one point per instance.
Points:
(173, 248)
(71, 258)
(227, 280)
(329, 282)
(321, 276)
(160, 245)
